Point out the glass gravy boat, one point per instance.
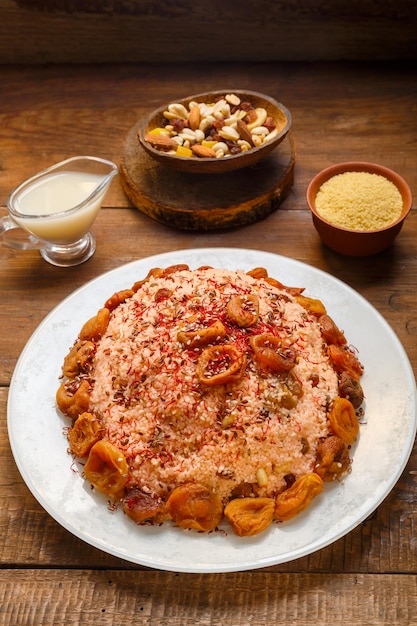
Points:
(54, 210)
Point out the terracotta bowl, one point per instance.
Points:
(210, 165)
(357, 242)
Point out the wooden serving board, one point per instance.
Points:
(206, 202)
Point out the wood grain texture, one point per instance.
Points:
(56, 31)
(340, 111)
(249, 599)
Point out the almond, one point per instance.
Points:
(162, 142)
(203, 151)
(194, 118)
(244, 131)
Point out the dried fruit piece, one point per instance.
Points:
(343, 420)
(330, 332)
(172, 269)
(312, 305)
(84, 434)
(163, 294)
(73, 398)
(203, 336)
(332, 458)
(244, 310)
(259, 119)
(219, 365)
(195, 506)
(155, 272)
(271, 353)
(182, 151)
(249, 516)
(96, 326)
(117, 298)
(344, 360)
(144, 507)
(297, 498)
(106, 469)
(351, 389)
(294, 291)
(258, 272)
(78, 358)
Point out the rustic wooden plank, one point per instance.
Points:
(340, 111)
(43, 30)
(94, 108)
(118, 598)
(367, 577)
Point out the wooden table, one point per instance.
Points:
(340, 112)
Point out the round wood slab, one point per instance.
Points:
(210, 201)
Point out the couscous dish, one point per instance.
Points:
(208, 394)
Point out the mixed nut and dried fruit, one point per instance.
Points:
(223, 128)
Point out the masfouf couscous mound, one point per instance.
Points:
(205, 395)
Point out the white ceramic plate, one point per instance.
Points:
(40, 448)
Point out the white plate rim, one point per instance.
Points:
(172, 549)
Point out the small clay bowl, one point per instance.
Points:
(210, 165)
(357, 242)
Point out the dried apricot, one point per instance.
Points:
(249, 516)
(96, 326)
(344, 360)
(312, 305)
(78, 358)
(297, 498)
(73, 398)
(84, 434)
(195, 506)
(271, 353)
(343, 420)
(202, 336)
(330, 332)
(106, 469)
(219, 365)
(244, 310)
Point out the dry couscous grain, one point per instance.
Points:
(359, 201)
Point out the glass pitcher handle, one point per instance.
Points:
(13, 236)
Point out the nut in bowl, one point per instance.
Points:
(215, 132)
(358, 208)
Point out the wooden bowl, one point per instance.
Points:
(210, 165)
(357, 242)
